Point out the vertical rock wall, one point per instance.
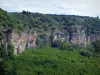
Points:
(78, 37)
(20, 41)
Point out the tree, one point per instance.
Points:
(55, 44)
(96, 46)
(51, 37)
(90, 48)
(24, 12)
(63, 45)
(3, 67)
(3, 54)
(86, 53)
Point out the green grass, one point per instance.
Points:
(51, 61)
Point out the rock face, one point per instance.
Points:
(32, 40)
(20, 41)
(58, 35)
(93, 37)
(28, 39)
(78, 37)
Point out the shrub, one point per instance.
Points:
(90, 48)
(86, 53)
(3, 51)
(96, 55)
(63, 45)
(3, 67)
(71, 47)
(56, 43)
(96, 46)
(11, 54)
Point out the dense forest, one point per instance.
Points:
(52, 57)
(46, 22)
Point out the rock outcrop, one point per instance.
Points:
(78, 36)
(20, 41)
(28, 39)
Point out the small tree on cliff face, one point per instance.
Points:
(51, 39)
(96, 46)
(8, 36)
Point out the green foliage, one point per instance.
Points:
(7, 20)
(86, 53)
(11, 55)
(42, 41)
(48, 22)
(63, 46)
(3, 59)
(3, 51)
(96, 46)
(3, 67)
(51, 37)
(90, 48)
(26, 47)
(56, 43)
(38, 44)
(51, 61)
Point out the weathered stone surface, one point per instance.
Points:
(20, 41)
(79, 37)
(27, 38)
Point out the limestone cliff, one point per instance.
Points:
(20, 41)
(78, 36)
